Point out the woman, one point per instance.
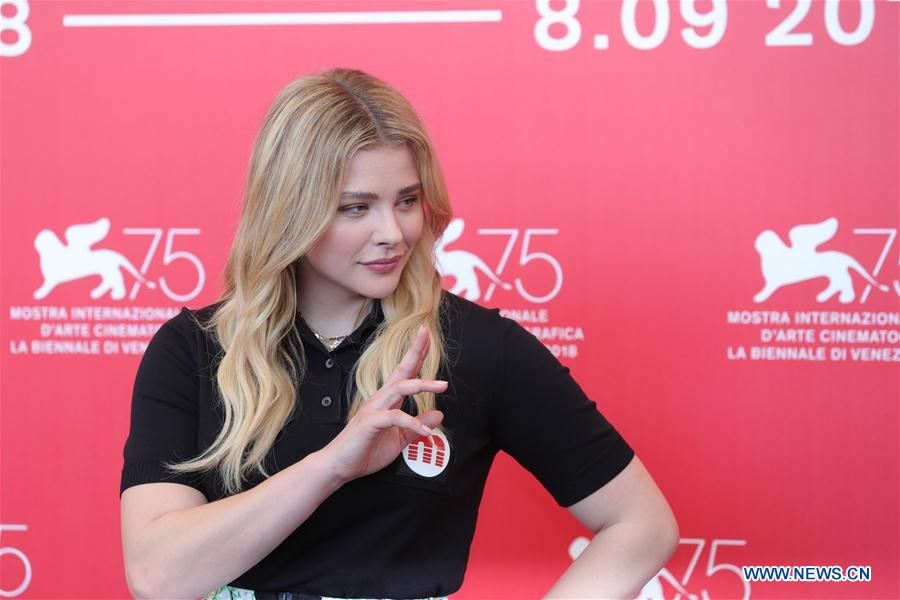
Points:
(325, 429)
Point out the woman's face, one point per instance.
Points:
(380, 215)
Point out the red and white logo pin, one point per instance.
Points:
(427, 458)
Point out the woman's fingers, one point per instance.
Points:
(412, 361)
(431, 418)
(422, 353)
(397, 418)
(400, 383)
(390, 394)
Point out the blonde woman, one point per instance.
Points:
(325, 428)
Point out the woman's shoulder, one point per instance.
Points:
(463, 308)
(470, 314)
(195, 318)
(204, 313)
(477, 329)
(187, 325)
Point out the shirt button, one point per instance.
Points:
(326, 401)
(329, 363)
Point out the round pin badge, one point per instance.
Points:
(427, 458)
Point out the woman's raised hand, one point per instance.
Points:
(380, 430)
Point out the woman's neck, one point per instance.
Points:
(330, 319)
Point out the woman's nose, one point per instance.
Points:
(387, 229)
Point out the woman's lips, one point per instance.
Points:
(383, 267)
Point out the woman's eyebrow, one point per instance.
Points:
(374, 196)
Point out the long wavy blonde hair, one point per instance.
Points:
(311, 131)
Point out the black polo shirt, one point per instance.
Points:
(404, 531)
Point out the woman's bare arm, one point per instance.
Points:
(189, 552)
(636, 534)
(179, 546)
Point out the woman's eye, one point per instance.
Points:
(358, 209)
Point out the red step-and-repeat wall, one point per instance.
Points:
(696, 204)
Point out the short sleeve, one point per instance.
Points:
(544, 420)
(164, 407)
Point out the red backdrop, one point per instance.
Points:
(670, 186)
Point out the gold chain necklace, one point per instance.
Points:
(329, 342)
(332, 342)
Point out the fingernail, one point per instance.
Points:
(440, 382)
(427, 429)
